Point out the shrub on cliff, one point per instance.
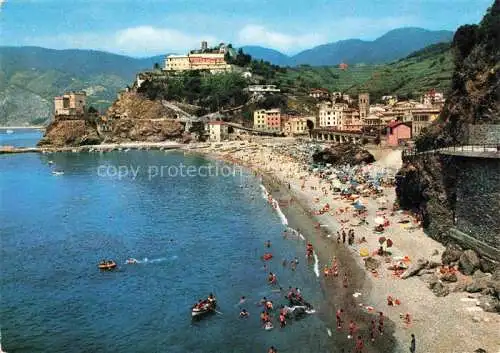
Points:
(212, 91)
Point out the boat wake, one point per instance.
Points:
(146, 260)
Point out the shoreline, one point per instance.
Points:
(334, 295)
(34, 127)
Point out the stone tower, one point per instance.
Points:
(204, 45)
(364, 105)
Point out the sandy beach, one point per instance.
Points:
(454, 323)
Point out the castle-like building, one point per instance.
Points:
(204, 58)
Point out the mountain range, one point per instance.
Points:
(393, 45)
(31, 76)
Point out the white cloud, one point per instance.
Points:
(141, 41)
(259, 35)
(147, 39)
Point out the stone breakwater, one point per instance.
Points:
(94, 148)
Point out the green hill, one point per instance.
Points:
(30, 77)
(431, 67)
(301, 79)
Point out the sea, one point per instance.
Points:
(193, 233)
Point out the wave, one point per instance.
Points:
(316, 264)
(266, 195)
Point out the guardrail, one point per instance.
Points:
(491, 148)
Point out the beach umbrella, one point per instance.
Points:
(379, 220)
(381, 240)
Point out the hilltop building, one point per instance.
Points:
(71, 104)
(212, 60)
(262, 89)
(319, 93)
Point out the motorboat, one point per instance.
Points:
(107, 265)
(57, 172)
(131, 261)
(9, 132)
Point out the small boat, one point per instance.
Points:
(131, 261)
(107, 265)
(9, 132)
(202, 308)
(51, 162)
(56, 172)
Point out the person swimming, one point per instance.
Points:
(244, 313)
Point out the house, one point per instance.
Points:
(217, 131)
(397, 133)
(267, 119)
(262, 89)
(298, 125)
(319, 93)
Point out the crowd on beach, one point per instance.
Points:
(354, 208)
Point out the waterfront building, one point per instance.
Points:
(70, 104)
(364, 105)
(218, 131)
(297, 125)
(331, 115)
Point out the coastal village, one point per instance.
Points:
(387, 182)
(337, 116)
(341, 163)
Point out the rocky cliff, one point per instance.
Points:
(61, 133)
(428, 183)
(132, 117)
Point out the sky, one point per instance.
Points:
(150, 27)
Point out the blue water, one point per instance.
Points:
(199, 234)
(20, 137)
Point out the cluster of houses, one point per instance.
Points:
(400, 121)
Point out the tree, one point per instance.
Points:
(92, 111)
(156, 66)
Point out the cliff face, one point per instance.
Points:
(474, 97)
(136, 118)
(428, 184)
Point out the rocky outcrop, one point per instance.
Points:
(131, 118)
(469, 262)
(61, 133)
(343, 154)
(428, 184)
(144, 130)
(131, 105)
